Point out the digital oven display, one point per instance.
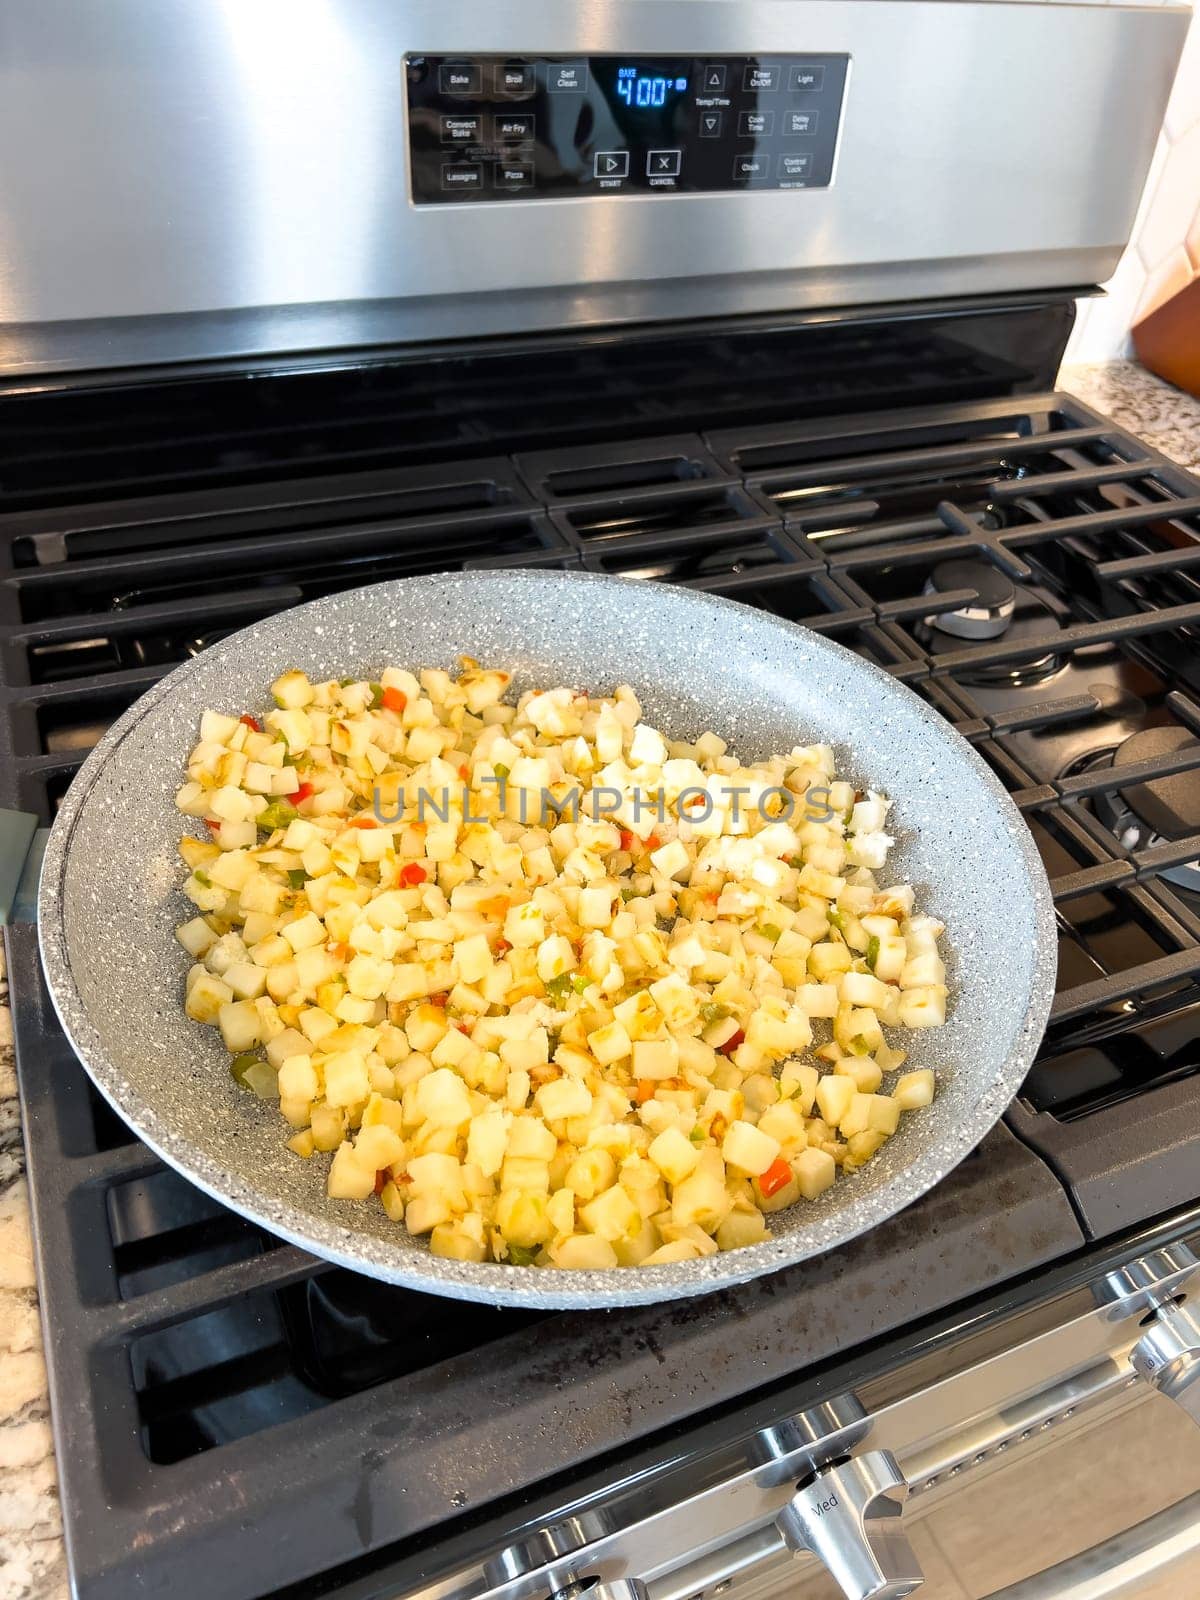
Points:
(484, 129)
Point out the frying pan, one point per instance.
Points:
(109, 895)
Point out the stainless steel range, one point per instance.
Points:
(766, 299)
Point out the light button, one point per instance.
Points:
(811, 79)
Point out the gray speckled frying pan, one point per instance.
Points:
(110, 897)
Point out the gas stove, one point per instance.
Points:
(1023, 565)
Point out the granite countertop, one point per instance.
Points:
(32, 1562)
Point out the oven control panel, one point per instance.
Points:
(484, 129)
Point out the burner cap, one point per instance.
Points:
(1170, 807)
(985, 618)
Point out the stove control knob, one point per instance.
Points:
(596, 1589)
(1168, 1355)
(848, 1516)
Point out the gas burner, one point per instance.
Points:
(1000, 610)
(989, 616)
(1157, 812)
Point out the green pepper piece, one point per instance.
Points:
(713, 1011)
(859, 1045)
(872, 951)
(344, 683)
(522, 1255)
(202, 878)
(276, 815)
(558, 988)
(795, 861)
(376, 695)
(772, 931)
(697, 1136)
(579, 983)
(501, 770)
(240, 1066)
(297, 877)
(835, 919)
(255, 1075)
(628, 893)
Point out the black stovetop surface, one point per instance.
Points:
(219, 1395)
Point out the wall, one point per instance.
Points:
(1164, 250)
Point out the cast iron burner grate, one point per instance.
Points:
(222, 1395)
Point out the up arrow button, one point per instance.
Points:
(714, 77)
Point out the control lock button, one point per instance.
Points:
(792, 168)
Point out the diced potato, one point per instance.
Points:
(815, 1171)
(567, 1040)
(914, 1089)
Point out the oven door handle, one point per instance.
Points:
(1120, 1565)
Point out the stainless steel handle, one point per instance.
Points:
(1168, 1355)
(848, 1516)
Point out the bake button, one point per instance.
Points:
(756, 124)
(514, 127)
(463, 177)
(460, 130)
(663, 163)
(514, 175)
(764, 79)
(516, 78)
(713, 77)
(799, 122)
(710, 124)
(793, 168)
(811, 79)
(566, 77)
(750, 169)
(460, 77)
(611, 164)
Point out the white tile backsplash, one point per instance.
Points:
(1164, 248)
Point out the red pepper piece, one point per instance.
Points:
(411, 874)
(438, 999)
(212, 824)
(394, 700)
(732, 1043)
(775, 1177)
(251, 722)
(626, 839)
(363, 822)
(304, 792)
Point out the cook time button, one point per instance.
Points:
(756, 124)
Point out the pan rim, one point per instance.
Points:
(549, 1288)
